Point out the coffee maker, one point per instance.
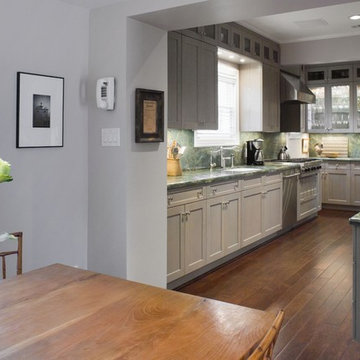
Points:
(254, 152)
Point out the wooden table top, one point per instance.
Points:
(62, 312)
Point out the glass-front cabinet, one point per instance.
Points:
(316, 112)
(357, 107)
(332, 111)
(340, 107)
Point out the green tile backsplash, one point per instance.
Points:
(197, 158)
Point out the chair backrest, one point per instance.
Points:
(18, 252)
(265, 349)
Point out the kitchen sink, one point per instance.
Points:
(241, 170)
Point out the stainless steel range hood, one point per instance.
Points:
(293, 90)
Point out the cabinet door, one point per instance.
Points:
(236, 39)
(207, 87)
(231, 222)
(271, 99)
(195, 236)
(272, 209)
(340, 73)
(189, 82)
(356, 115)
(337, 183)
(175, 243)
(355, 188)
(224, 35)
(214, 219)
(341, 117)
(174, 80)
(251, 216)
(320, 189)
(316, 119)
(316, 75)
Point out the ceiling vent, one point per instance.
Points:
(311, 24)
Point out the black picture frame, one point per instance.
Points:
(39, 111)
(149, 116)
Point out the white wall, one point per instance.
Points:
(321, 51)
(48, 198)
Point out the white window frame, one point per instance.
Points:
(215, 137)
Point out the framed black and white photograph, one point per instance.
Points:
(149, 116)
(40, 110)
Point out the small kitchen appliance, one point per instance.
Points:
(254, 150)
(283, 154)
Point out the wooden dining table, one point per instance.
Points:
(60, 312)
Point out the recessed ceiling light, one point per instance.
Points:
(231, 56)
(220, 52)
(354, 17)
(242, 60)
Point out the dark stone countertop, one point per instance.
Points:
(205, 177)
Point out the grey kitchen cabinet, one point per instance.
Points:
(270, 53)
(224, 35)
(207, 33)
(193, 90)
(355, 183)
(174, 80)
(259, 98)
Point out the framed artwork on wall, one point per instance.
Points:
(305, 146)
(40, 111)
(149, 116)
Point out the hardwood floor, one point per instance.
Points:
(308, 273)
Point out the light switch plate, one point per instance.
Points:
(110, 137)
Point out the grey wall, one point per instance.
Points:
(48, 198)
(127, 184)
(321, 51)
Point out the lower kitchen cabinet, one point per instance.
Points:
(175, 243)
(195, 236)
(272, 209)
(252, 215)
(336, 187)
(186, 239)
(355, 187)
(223, 226)
(261, 212)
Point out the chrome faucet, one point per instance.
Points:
(212, 161)
(223, 158)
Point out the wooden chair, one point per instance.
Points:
(17, 252)
(265, 349)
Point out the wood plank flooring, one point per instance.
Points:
(308, 273)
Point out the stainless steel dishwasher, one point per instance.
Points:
(290, 184)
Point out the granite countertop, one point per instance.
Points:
(207, 176)
(355, 220)
(339, 159)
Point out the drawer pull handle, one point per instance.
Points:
(200, 194)
(214, 191)
(170, 199)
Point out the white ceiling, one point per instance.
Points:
(318, 23)
(91, 4)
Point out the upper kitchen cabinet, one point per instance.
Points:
(259, 97)
(336, 91)
(357, 107)
(224, 35)
(206, 33)
(192, 84)
(271, 53)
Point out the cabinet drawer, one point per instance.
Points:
(222, 189)
(355, 165)
(338, 165)
(184, 197)
(252, 183)
(272, 179)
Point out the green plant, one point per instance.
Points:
(5, 171)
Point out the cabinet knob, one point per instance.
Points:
(170, 199)
(200, 194)
(214, 191)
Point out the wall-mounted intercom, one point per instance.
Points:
(105, 93)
